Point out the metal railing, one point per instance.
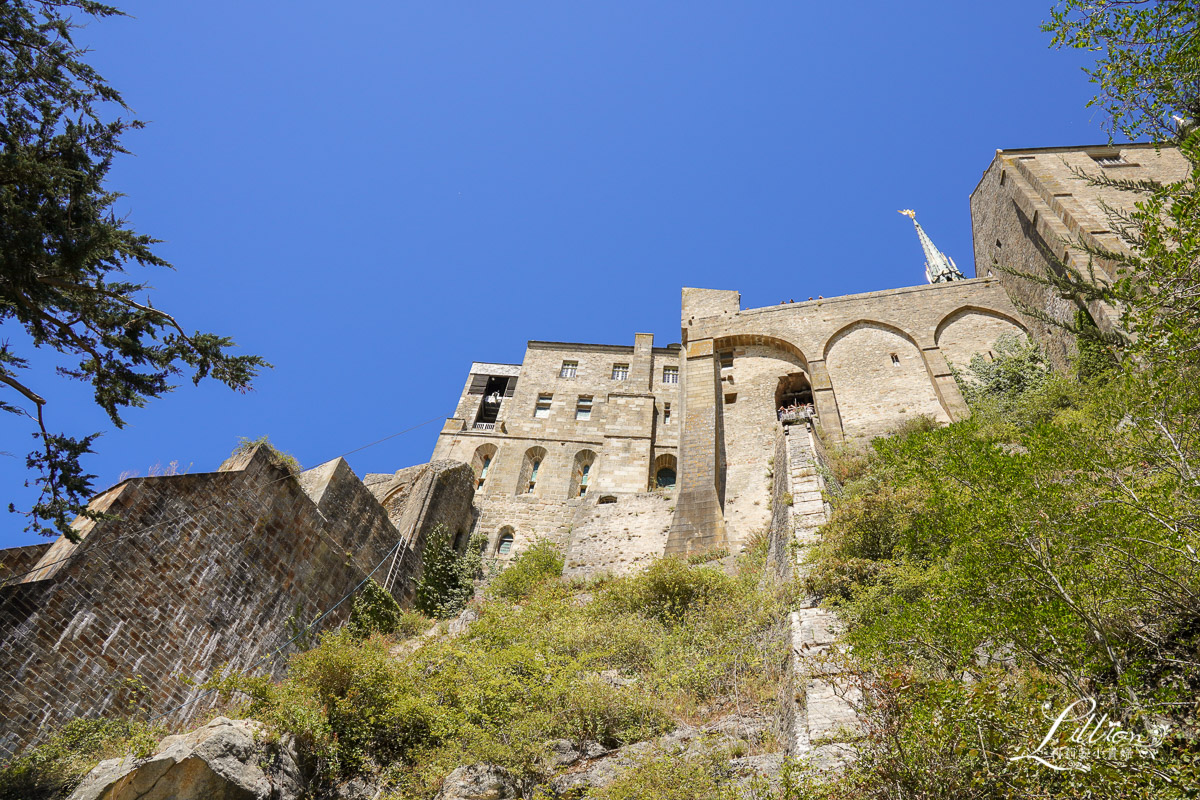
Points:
(797, 415)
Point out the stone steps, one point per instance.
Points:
(823, 720)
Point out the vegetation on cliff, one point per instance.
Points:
(615, 661)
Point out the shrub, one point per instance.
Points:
(537, 564)
(279, 458)
(448, 577)
(376, 611)
(669, 588)
(53, 769)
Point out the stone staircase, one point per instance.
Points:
(820, 718)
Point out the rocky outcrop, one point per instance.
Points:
(480, 782)
(224, 760)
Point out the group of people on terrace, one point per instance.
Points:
(794, 411)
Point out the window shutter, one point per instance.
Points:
(511, 387)
(478, 384)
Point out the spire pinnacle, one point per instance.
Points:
(939, 267)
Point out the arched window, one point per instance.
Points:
(531, 470)
(482, 463)
(581, 473)
(504, 541)
(664, 471)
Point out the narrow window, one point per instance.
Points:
(487, 464)
(726, 357)
(568, 369)
(542, 409)
(895, 360)
(620, 372)
(533, 476)
(1109, 159)
(583, 479)
(666, 413)
(583, 408)
(670, 374)
(999, 244)
(504, 544)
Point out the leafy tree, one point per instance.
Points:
(1149, 62)
(65, 253)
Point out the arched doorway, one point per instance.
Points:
(664, 472)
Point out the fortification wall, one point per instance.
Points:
(620, 536)
(1032, 206)
(196, 571)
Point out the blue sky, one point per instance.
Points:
(375, 194)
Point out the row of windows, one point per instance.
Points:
(581, 469)
(583, 406)
(620, 372)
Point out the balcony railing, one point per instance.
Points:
(485, 426)
(795, 415)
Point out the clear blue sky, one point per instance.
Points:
(373, 194)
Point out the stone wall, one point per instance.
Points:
(620, 535)
(1032, 205)
(16, 561)
(872, 360)
(196, 571)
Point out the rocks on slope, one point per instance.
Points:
(224, 760)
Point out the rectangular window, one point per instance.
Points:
(1109, 159)
(620, 372)
(670, 374)
(568, 369)
(666, 412)
(726, 357)
(583, 408)
(542, 409)
(895, 360)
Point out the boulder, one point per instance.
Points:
(480, 782)
(224, 760)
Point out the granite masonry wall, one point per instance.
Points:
(1032, 205)
(194, 571)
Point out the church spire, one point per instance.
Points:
(939, 267)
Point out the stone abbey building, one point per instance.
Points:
(617, 453)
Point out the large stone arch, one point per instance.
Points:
(879, 376)
(750, 339)
(972, 329)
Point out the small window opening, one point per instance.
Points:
(606, 499)
(583, 479)
(731, 398)
(999, 244)
(487, 464)
(726, 357)
(666, 413)
(895, 360)
(569, 369)
(1109, 159)
(458, 540)
(665, 478)
(504, 544)
(670, 375)
(620, 372)
(541, 409)
(533, 476)
(583, 408)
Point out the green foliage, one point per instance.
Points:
(376, 611)
(279, 458)
(1016, 367)
(53, 769)
(1149, 59)
(670, 588)
(667, 775)
(448, 577)
(538, 563)
(593, 667)
(65, 253)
